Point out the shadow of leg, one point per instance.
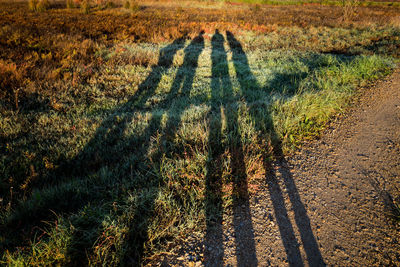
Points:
(281, 215)
(242, 221)
(247, 81)
(310, 245)
(213, 254)
(222, 92)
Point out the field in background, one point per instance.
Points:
(124, 131)
(365, 3)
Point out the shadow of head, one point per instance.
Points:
(233, 42)
(199, 38)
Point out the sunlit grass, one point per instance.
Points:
(98, 164)
(106, 142)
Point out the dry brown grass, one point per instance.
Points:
(58, 39)
(395, 21)
(65, 72)
(38, 6)
(11, 79)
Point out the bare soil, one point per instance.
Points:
(331, 203)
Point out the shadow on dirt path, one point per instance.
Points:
(222, 92)
(302, 220)
(245, 248)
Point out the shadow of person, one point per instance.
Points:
(247, 81)
(184, 76)
(113, 150)
(183, 81)
(179, 93)
(224, 107)
(213, 255)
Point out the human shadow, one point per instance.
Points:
(262, 117)
(224, 106)
(213, 197)
(112, 149)
(106, 159)
(180, 89)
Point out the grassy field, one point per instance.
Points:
(366, 3)
(122, 132)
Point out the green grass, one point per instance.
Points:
(117, 165)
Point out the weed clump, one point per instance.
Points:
(32, 5)
(126, 4)
(256, 8)
(43, 5)
(10, 81)
(110, 4)
(38, 6)
(131, 5)
(70, 4)
(349, 8)
(85, 6)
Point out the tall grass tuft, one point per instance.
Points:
(43, 5)
(110, 4)
(85, 6)
(10, 82)
(70, 4)
(32, 5)
(126, 4)
(349, 8)
(132, 5)
(38, 6)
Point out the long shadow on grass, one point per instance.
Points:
(263, 120)
(112, 163)
(223, 105)
(180, 89)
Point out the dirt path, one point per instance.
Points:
(329, 204)
(348, 178)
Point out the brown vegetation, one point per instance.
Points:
(45, 46)
(66, 77)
